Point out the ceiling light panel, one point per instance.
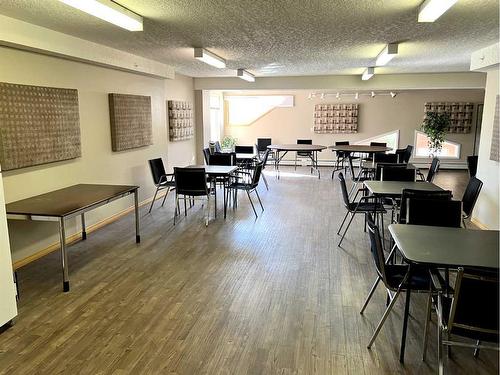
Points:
(209, 58)
(387, 54)
(243, 74)
(367, 74)
(108, 11)
(431, 10)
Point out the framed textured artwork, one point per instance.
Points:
(460, 114)
(130, 119)
(38, 125)
(180, 120)
(495, 141)
(336, 118)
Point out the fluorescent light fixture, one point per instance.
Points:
(243, 74)
(108, 11)
(356, 96)
(387, 54)
(338, 95)
(209, 58)
(431, 10)
(372, 94)
(322, 96)
(393, 94)
(368, 73)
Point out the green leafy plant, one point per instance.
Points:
(228, 142)
(434, 126)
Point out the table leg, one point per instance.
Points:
(64, 255)
(316, 163)
(136, 204)
(215, 198)
(405, 318)
(84, 231)
(277, 164)
(225, 199)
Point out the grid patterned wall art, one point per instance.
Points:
(38, 125)
(335, 118)
(180, 119)
(130, 118)
(460, 114)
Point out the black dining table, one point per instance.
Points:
(443, 247)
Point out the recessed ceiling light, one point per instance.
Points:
(368, 73)
(356, 96)
(387, 54)
(209, 58)
(372, 94)
(338, 95)
(243, 74)
(393, 94)
(108, 11)
(431, 10)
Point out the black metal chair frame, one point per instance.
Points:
(473, 190)
(162, 181)
(248, 187)
(307, 154)
(191, 195)
(342, 156)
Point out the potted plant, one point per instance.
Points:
(227, 143)
(434, 126)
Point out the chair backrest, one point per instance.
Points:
(471, 194)
(257, 172)
(381, 144)
(376, 247)
(222, 159)
(400, 153)
(304, 141)
(433, 169)
(472, 164)
(243, 149)
(342, 143)
(262, 143)
(408, 194)
(218, 148)
(190, 181)
(385, 158)
(342, 154)
(407, 156)
(206, 155)
(474, 308)
(157, 170)
(343, 187)
(394, 172)
(439, 213)
(264, 158)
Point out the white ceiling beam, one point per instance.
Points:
(485, 58)
(421, 81)
(29, 37)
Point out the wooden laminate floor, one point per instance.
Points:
(268, 296)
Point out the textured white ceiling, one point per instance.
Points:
(283, 37)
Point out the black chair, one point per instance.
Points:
(243, 149)
(393, 276)
(222, 159)
(408, 194)
(303, 154)
(471, 313)
(379, 144)
(434, 212)
(206, 155)
(470, 196)
(248, 187)
(341, 158)
(363, 206)
(472, 165)
(404, 154)
(395, 173)
(380, 166)
(262, 144)
(363, 175)
(264, 162)
(386, 158)
(433, 169)
(191, 183)
(161, 180)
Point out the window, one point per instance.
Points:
(391, 138)
(216, 116)
(244, 110)
(450, 150)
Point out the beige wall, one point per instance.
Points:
(376, 115)
(487, 211)
(98, 163)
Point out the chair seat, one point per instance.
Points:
(168, 183)
(366, 207)
(420, 279)
(240, 185)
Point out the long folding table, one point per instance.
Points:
(312, 151)
(69, 202)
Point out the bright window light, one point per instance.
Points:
(108, 11)
(431, 10)
(391, 138)
(209, 58)
(387, 54)
(367, 74)
(450, 150)
(245, 110)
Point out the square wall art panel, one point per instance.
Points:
(38, 125)
(130, 118)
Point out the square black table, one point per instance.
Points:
(69, 202)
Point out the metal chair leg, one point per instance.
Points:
(476, 350)
(177, 206)
(153, 201)
(165, 197)
(348, 224)
(295, 161)
(384, 317)
(253, 207)
(343, 221)
(426, 327)
(258, 197)
(265, 181)
(372, 290)
(208, 211)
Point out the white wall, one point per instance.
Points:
(486, 212)
(98, 163)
